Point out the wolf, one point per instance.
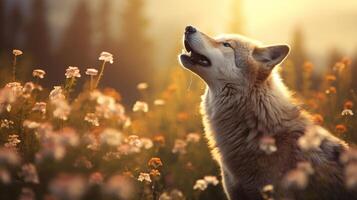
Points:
(246, 101)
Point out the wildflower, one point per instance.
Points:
(5, 123)
(96, 178)
(339, 66)
(92, 119)
(121, 187)
(140, 106)
(83, 162)
(331, 90)
(267, 144)
(9, 157)
(182, 116)
(144, 177)
(91, 72)
(31, 124)
(66, 186)
(200, 185)
(29, 173)
(68, 137)
(15, 87)
(318, 119)
(193, 137)
(27, 194)
(62, 109)
(351, 175)
(330, 78)
(106, 57)
(27, 89)
(155, 173)
(159, 102)
(142, 86)
(312, 138)
(146, 143)
(160, 140)
(7, 97)
(17, 52)
(175, 194)
(133, 140)
(340, 128)
(348, 105)
(295, 179)
(347, 112)
(211, 180)
(12, 141)
(267, 192)
(72, 72)
(56, 93)
(40, 107)
(155, 163)
(111, 137)
(5, 176)
(38, 73)
(179, 146)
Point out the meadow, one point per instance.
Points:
(57, 143)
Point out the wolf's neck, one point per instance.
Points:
(239, 114)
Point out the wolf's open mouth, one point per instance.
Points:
(194, 57)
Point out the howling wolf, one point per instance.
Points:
(259, 135)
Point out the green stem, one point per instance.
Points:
(100, 75)
(14, 69)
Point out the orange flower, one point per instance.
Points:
(331, 90)
(347, 61)
(155, 173)
(330, 77)
(308, 66)
(348, 105)
(340, 128)
(182, 116)
(112, 93)
(160, 140)
(155, 162)
(318, 119)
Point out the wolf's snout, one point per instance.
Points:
(190, 30)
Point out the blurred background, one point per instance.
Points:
(145, 36)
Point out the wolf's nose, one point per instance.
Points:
(190, 29)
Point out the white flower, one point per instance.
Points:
(200, 185)
(72, 72)
(40, 106)
(38, 73)
(159, 102)
(144, 177)
(347, 112)
(56, 93)
(133, 140)
(211, 180)
(111, 137)
(147, 143)
(92, 119)
(267, 144)
(193, 137)
(106, 57)
(29, 173)
(140, 106)
(31, 124)
(179, 146)
(12, 141)
(16, 88)
(69, 187)
(91, 72)
(27, 89)
(5, 123)
(62, 109)
(142, 86)
(17, 52)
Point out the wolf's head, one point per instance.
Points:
(229, 58)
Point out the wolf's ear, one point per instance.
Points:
(271, 55)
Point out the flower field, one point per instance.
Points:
(57, 143)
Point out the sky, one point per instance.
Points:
(326, 24)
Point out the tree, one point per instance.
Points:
(38, 39)
(236, 25)
(76, 45)
(298, 57)
(134, 52)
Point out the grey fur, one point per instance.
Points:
(246, 100)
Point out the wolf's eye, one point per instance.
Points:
(226, 44)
